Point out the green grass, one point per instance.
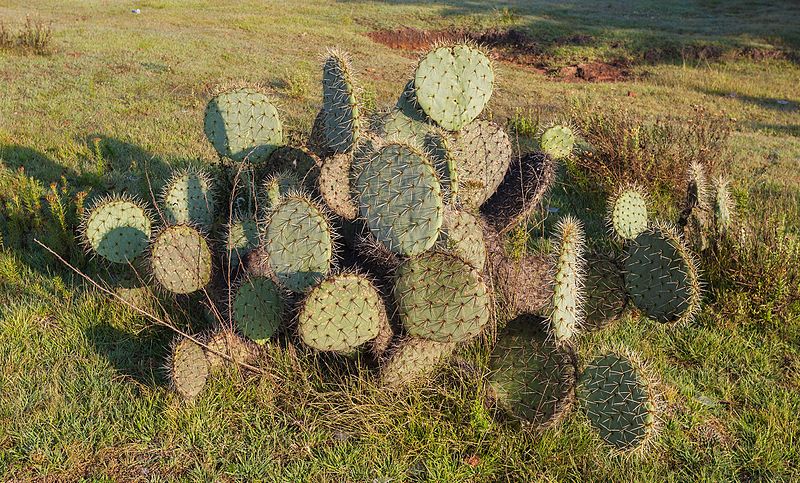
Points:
(82, 394)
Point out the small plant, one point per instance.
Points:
(34, 36)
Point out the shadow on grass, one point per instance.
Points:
(139, 357)
(774, 103)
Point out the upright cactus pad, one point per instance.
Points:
(531, 378)
(557, 141)
(342, 118)
(697, 191)
(413, 359)
(400, 197)
(462, 236)
(189, 368)
(242, 124)
(181, 259)
(661, 276)
(453, 85)
(482, 152)
(242, 237)
(442, 298)
(334, 186)
(723, 205)
(258, 308)
(341, 313)
(606, 298)
(299, 242)
(408, 105)
(189, 198)
(619, 400)
(627, 212)
(117, 229)
(568, 280)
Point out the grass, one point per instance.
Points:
(82, 395)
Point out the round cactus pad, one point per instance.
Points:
(341, 313)
(181, 259)
(628, 216)
(257, 308)
(442, 298)
(189, 368)
(117, 229)
(400, 197)
(412, 359)
(453, 85)
(188, 198)
(242, 124)
(557, 141)
(298, 241)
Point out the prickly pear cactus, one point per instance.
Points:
(181, 259)
(661, 276)
(334, 186)
(275, 187)
(301, 162)
(442, 298)
(117, 228)
(531, 378)
(188, 368)
(567, 314)
(400, 198)
(341, 313)
(460, 74)
(298, 240)
(696, 217)
(242, 124)
(606, 298)
(482, 153)
(619, 400)
(188, 197)
(413, 359)
(227, 342)
(557, 141)
(342, 121)
(258, 308)
(627, 212)
(241, 239)
(462, 236)
(723, 205)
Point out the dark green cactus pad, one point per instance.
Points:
(275, 187)
(462, 236)
(482, 153)
(227, 342)
(442, 298)
(242, 124)
(408, 105)
(241, 239)
(618, 400)
(258, 308)
(661, 276)
(606, 298)
(298, 241)
(181, 259)
(341, 313)
(302, 163)
(117, 229)
(189, 368)
(557, 141)
(188, 197)
(531, 378)
(453, 85)
(412, 360)
(342, 118)
(334, 186)
(627, 212)
(400, 198)
(567, 313)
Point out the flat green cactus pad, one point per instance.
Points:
(442, 298)
(462, 235)
(618, 401)
(606, 298)
(567, 310)
(242, 237)
(342, 118)
(341, 313)
(242, 124)
(334, 186)
(189, 198)
(557, 141)
(400, 198)
(531, 378)
(189, 368)
(453, 85)
(412, 360)
(482, 153)
(661, 276)
(181, 259)
(258, 308)
(628, 213)
(298, 240)
(117, 229)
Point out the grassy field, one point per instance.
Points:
(82, 393)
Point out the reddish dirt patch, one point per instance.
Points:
(513, 46)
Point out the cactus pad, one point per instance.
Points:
(180, 259)
(342, 119)
(298, 241)
(412, 359)
(188, 368)
(275, 187)
(258, 308)
(618, 400)
(334, 186)
(531, 378)
(229, 343)
(568, 281)
(462, 236)
(723, 204)
(241, 238)
(482, 152)
(453, 85)
(442, 298)
(188, 198)
(302, 163)
(242, 124)
(117, 229)
(605, 291)
(661, 276)
(400, 197)
(557, 141)
(627, 214)
(341, 313)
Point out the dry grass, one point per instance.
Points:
(34, 36)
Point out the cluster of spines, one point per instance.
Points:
(567, 312)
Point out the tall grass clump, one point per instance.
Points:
(33, 37)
